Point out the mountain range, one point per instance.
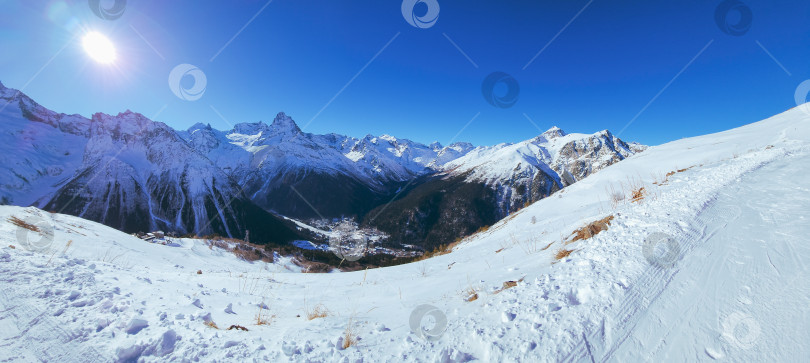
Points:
(135, 174)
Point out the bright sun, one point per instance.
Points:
(99, 47)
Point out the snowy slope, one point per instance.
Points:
(737, 214)
(39, 158)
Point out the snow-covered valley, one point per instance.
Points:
(705, 258)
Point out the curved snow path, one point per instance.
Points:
(739, 291)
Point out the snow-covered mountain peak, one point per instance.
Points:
(553, 132)
(250, 128)
(127, 122)
(387, 137)
(199, 126)
(284, 123)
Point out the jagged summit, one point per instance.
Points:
(282, 122)
(553, 132)
(199, 126)
(128, 121)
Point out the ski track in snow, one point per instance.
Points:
(736, 292)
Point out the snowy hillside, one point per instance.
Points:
(726, 281)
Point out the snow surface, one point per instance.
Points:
(736, 290)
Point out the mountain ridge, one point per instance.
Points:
(156, 173)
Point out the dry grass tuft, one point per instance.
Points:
(319, 311)
(237, 327)
(211, 324)
(671, 173)
(507, 285)
(562, 253)
(638, 195)
(591, 229)
(21, 223)
(349, 336)
(471, 294)
(263, 317)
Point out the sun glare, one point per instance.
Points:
(99, 47)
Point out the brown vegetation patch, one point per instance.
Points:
(21, 223)
(311, 266)
(638, 195)
(590, 230)
(507, 285)
(237, 327)
(319, 311)
(471, 294)
(562, 253)
(440, 250)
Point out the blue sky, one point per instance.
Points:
(602, 71)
